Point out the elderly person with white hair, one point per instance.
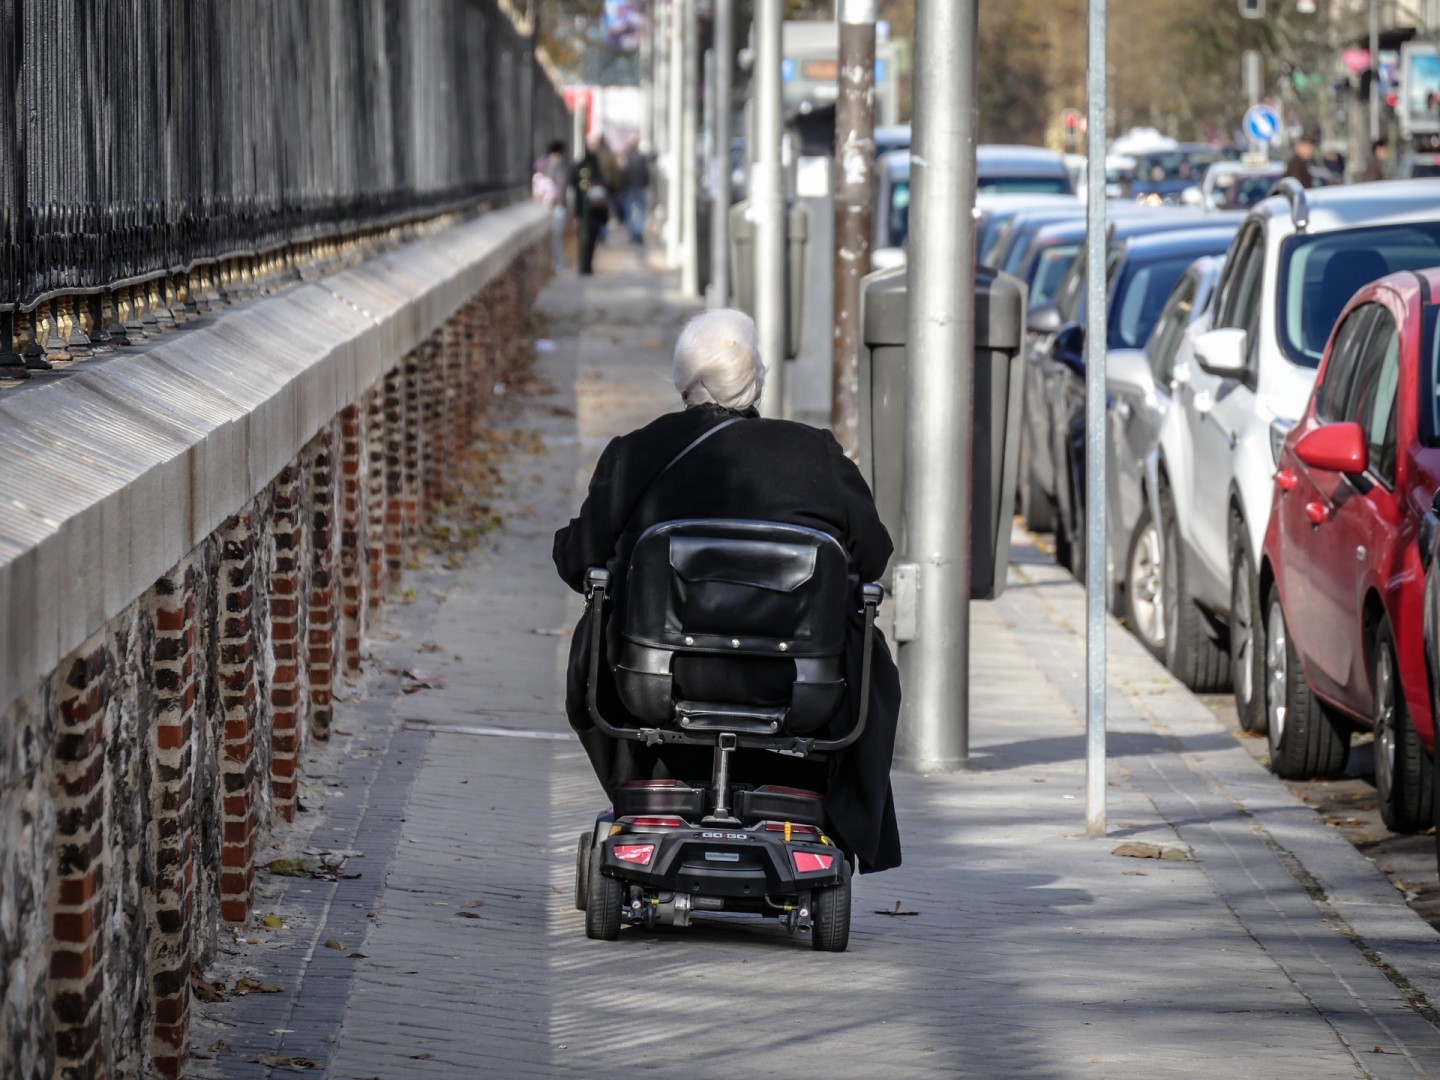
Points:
(718, 459)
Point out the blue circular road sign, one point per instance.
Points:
(1262, 123)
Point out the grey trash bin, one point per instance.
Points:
(742, 267)
(999, 330)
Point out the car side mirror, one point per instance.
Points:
(887, 258)
(1222, 352)
(1044, 319)
(1191, 197)
(1336, 447)
(1069, 347)
(1127, 371)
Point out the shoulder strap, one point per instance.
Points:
(676, 459)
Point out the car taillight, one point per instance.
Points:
(789, 828)
(807, 862)
(640, 854)
(655, 822)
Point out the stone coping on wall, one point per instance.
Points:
(112, 474)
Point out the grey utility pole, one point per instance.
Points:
(1095, 342)
(689, 241)
(675, 112)
(724, 64)
(767, 204)
(934, 731)
(854, 192)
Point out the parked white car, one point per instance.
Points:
(1242, 375)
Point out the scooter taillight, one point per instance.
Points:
(655, 822)
(807, 862)
(639, 854)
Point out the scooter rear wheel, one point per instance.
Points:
(830, 914)
(602, 902)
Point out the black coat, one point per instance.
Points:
(761, 470)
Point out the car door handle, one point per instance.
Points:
(1317, 513)
(1122, 410)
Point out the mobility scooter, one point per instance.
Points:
(716, 615)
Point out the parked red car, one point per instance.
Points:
(1343, 579)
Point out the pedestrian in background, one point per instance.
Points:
(592, 205)
(610, 176)
(634, 184)
(547, 187)
(1379, 158)
(1299, 164)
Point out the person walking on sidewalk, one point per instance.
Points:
(634, 185)
(592, 205)
(755, 469)
(547, 187)
(1379, 157)
(1298, 167)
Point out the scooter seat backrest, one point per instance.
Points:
(705, 595)
(741, 587)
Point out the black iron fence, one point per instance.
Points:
(141, 139)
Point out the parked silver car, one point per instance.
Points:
(1138, 395)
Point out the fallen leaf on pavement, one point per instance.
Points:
(291, 867)
(218, 1046)
(273, 921)
(468, 914)
(1135, 849)
(895, 911)
(333, 944)
(276, 1061)
(358, 956)
(473, 903)
(421, 1057)
(204, 989)
(250, 986)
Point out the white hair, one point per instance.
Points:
(717, 359)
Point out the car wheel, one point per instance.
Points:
(1145, 586)
(830, 914)
(1247, 640)
(1191, 652)
(1035, 506)
(1403, 776)
(582, 870)
(1306, 741)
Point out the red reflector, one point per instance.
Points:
(795, 830)
(807, 862)
(655, 822)
(649, 783)
(639, 854)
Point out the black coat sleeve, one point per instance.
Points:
(590, 539)
(866, 538)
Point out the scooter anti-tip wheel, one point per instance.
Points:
(830, 914)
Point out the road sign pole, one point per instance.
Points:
(1095, 343)
(934, 733)
(767, 187)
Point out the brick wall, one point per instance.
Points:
(137, 781)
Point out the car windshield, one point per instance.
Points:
(1140, 299)
(1025, 185)
(1319, 273)
(1246, 191)
(1186, 165)
(1050, 269)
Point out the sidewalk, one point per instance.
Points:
(1255, 956)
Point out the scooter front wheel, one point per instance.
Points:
(604, 897)
(830, 914)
